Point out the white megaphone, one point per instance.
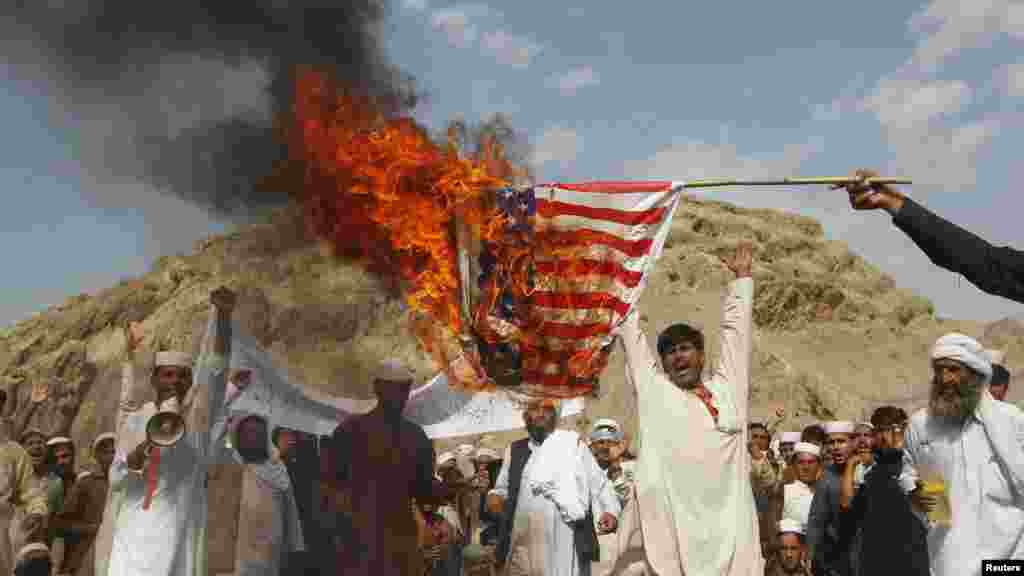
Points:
(166, 427)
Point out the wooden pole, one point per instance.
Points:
(835, 181)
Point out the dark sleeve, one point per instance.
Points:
(425, 456)
(996, 270)
(341, 451)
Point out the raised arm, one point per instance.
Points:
(641, 364)
(40, 392)
(730, 381)
(205, 399)
(133, 390)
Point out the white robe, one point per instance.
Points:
(796, 501)
(168, 539)
(982, 464)
(693, 475)
(542, 542)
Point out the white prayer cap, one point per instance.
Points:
(807, 448)
(790, 438)
(445, 458)
(606, 429)
(487, 454)
(465, 450)
(965, 350)
(867, 425)
(30, 548)
(170, 358)
(102, 437)
(791, 526)
(57, 440)
(839, 427)
(392, 370)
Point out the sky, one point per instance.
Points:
(651, 90)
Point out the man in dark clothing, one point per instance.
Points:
(880, 532)
(300, 458)
(996, 270)
(823, 522)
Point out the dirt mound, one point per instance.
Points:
(835, 337)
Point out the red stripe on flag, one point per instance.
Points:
(573, 331)
(553, 208)
(576, 268)
(613, 187)
(579, 300)
(584, 237)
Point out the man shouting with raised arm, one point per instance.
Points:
(693, 490)
(159, 493)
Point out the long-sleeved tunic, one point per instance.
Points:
(982, 464)
(543, 543)
(696, 505)
(169, 538)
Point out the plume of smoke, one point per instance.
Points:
(184, 95)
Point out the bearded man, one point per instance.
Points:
(975, 443)
(159, 497)
(693, 480)
(550, 489)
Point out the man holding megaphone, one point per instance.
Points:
(158, 478)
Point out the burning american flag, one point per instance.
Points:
(513, 286)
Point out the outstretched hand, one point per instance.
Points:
(864, 196)
(40, 392)
(742, 261)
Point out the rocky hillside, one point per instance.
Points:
(835, 337)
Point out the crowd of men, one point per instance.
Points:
(708, 491)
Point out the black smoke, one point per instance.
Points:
(132, 69)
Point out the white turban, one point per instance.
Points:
(30, 548)
(807, 448)
(790, 438)
(170, 358)
(101, 438)
(445, 458)
(867, 425)
(965, 350)
(487, 453)
(392, 370)
(57, 440)
(791, 526)
(841, 427)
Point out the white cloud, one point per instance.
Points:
(557, 144)
(509, 49)
(1014, 79)
(456, 25)
(416, 5)
(574, 79)
(907, 104)
(949, 26)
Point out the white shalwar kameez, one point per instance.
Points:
(556, 488)
(696, 506)
(169, 538)
(982, 463)
(796, 501)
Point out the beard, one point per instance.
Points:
(538, 432)
(957, 406)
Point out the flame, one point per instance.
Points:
(377, 188)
